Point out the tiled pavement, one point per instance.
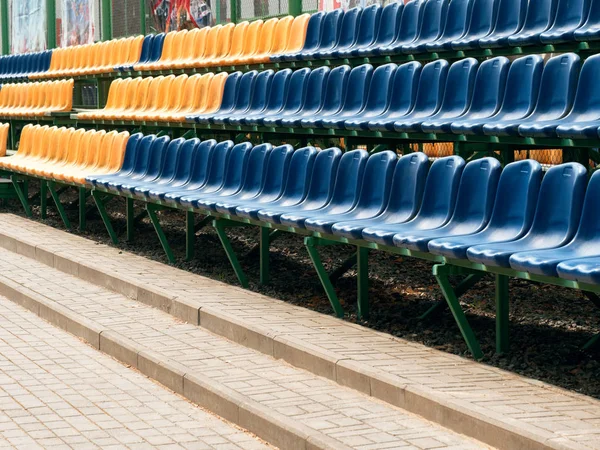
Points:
(58, 393)
(457, 392)
(320, 406)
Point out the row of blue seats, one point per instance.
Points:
(495, 97)
(477, 211)
(151, 51)
(443, 25)
(21, 66)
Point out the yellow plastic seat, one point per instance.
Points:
(25, 146)
(165, 55)
(172, 99)
(111, 162)
(122, 99)
(156, 97)
(146, 94)
(111, 99)
(210, 46)
(137, 103)
(177, 50)
(188, 94)
(76, 153)
(263, 43)
(198, 47)
(198, 103)
(39, 150)
(297, 35)
(98, 156)
(131, 93)
(135, 51)
(279, 42)
(55, 154)
(236, 46)
(188, 48)
(4, 128)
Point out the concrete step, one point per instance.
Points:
(286, 406)
(499, 408)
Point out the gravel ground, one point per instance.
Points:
(549, 324)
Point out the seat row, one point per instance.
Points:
(475, 211)
(67, 154)
(93, 59)
(22, 66)
(36, 99)
(164, 98)
(442, 25)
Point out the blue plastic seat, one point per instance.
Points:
(388, 27)
(428, 100)
(351, 100)
(540, 16)
(365, 33)
(481, 24)
(403, 95)
(555, 98)
(590, 30)
(431, 27)
(583, 270)
(176, 164)
(311, 40)
(509, 21)
(474, 204)
(408, 29)
(243, 97)
(520, 96)
(584, 244)
(582, 121)
(157, 47)
(457, 98)
(295, 96)
(225, 176)
(292, 190)
(511, 218)
(228, 100)
(455, 26)
(406, 193)
(191, 167)
(570, 15)
(331, 27)
(348, 180)
(347, 36)
(258, 100)
(378, 99)
(321, 93)
(269, 187)
(318, 193)
(275, 100)
(373, 197)
(487, 94)
(439, 197)
(131, 149)
(554, 223)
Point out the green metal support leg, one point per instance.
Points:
(362, 274)
(55, 196)
(502, 314)
(265, 241)
(152, 208)
(460, 289)
(220, 226)
(22, 196)
(190, 235)
(82, 210)
(100, 201)
(441, 272)
(43, 200)
(129, 218)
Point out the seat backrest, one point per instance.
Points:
(557, 87)
(332, 25)
(225, 40)
(593, 18)
(212, 42)
(296, 92)
(430, 92)
(313, 33)
(510, 18)
(281, 35)
(297, 34)
(560, 201)
(300, 169)
(199, 44)
(157, 47)
(131, 150)
(208, 157)
(256, 169)
(265, 38)
(540, 15)
(376, 182)
(142, 93)
(349, 28)
(441, 186)
(117, 152)
(570, 14)
(158, 156)
(323, 175)
(177, 49)
(230, 91)
(483, 18)
(140, 157)
(587, 96)
(407, 185)
(368, 25)
(522, 85)
(358, 87)
(238, 39)
(142, 162)
(457, 19)
(244, 92)
(380, 88)
(215, 92)
(279, 89)
(167, 47)
(175, 93)
(251, 37)
(410, 22)
(189, 93)
(276, 172)
(235, 170)
(146, 46)
(404, 87)
(589, 226)
(171, 159)
(335, 89)
(476, 192)
(348, 178)
(434, 16)
(459, 86)
(489, 86)
(315, 89)
(388, 24)
(262, 88)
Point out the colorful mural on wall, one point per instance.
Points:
(169, 15)
(28, 26)
(77, 23)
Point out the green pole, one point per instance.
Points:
(295, 7)
(51, 22)
(106, 20)
(5, 29)
(143, 17)
(234, 11)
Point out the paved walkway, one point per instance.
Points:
(58, 393)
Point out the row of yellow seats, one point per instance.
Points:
(161, 99)
(67, 154)
(4, 127)
(36, 99)
(91, 59)
(231, 44)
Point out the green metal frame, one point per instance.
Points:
(5, 23)
(106, 18)
(51, 22)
